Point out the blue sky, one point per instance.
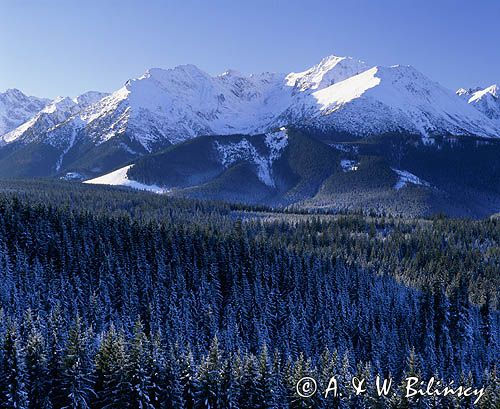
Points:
(65, 47)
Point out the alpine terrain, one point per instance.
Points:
(342, 134)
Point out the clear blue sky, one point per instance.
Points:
(65, 47)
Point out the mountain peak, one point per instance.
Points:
(328, 71)
(161, 73)
(181, 74)
(59, 103)
(231, 73)
(89, 98)
(340, 94)
(13, 91)
(331, 60)
(493, 90)
(16, 94)
(16, 108)
(485, 100)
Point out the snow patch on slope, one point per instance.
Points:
(71, 143)
(349, 165)
(276, 142)
(72, 176)
(406, 177)
(119, 177)
(243, 150)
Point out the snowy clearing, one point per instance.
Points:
(406, 177)
(119, 177)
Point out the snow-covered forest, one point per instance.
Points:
(115, 299)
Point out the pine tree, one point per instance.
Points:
(491, 398)
(301, 368)
(401, 400)
(173, 391)
(265, 380)
(231, 383)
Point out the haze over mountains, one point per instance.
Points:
(342, 110)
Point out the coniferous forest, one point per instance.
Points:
(119, 299)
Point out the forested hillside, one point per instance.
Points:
(394, 173)
(118, 299)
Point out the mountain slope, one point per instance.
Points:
(389, 99)
(170, 106)
(53, 114)
(16, 108)
(339, 96)
(29, 151)
(397, 174)
(485, 100)
(279, 167)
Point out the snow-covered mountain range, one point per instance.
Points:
(17, 108)
(339, 95)
(55, 112)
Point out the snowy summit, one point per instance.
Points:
(168, 106)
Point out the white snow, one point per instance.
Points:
(88, 98)
(52, 115)
(485, 100)
(244, 150)
(349, 165)
(231, 152)
(119, 177)
(72, 176)
(276, 142)
(66, 149)
(398, 98)
(338, 94)
(330, 70)
(406, 177)
(16, 108)
(492, 90)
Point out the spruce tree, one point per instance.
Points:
(209, 378)
(112, 386)
(140, 367)
(36, 370)
(13, 372)
(77, 379)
